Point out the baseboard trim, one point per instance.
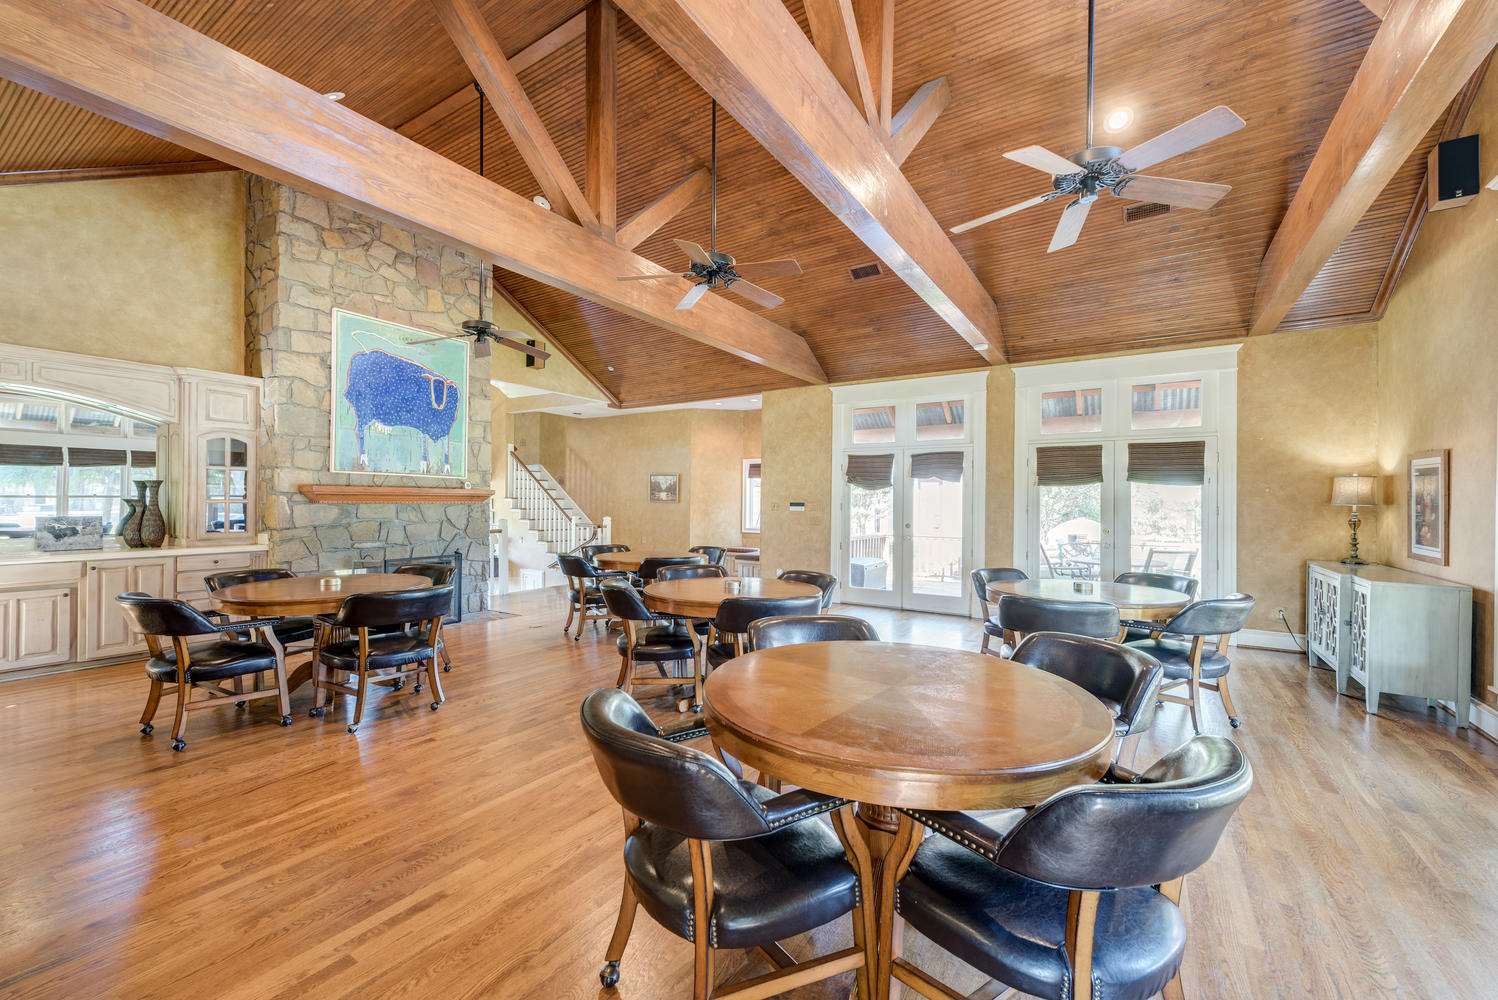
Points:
(1483, 717)
(1260, 638)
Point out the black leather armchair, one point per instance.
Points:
(721, 862)
(981, 579)
(1165, 581)
(584, 602)
(591, 554)
(201, 664)
(690, 572)
(714, 553)
(651, 566)
(792, 630)
(1125, 680)
(1081, 898)
(1182, 648)
(1019, 616)
(400, 653)
(440, 574)
(825, 582)
(735, 614)
(648, 639)
(287, 630)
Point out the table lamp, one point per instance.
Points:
(1354, 491)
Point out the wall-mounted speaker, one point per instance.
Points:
(1451, 174)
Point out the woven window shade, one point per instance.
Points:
(753, 472)
(143, 459)
(1168, 463)
(30, 454)
(871, 472)
(1074, 465)
(80, 458)
(943, 465)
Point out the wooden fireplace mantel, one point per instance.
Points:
(318, 493)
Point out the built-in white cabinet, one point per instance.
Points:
(1392, 631)
(192, 569)
(106, 629)
(36, 627)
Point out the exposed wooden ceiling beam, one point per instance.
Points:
(602, 179)
(125, 61)
(486, 61)
(665, 208)
(568, 31)
(834, 32)
(876, 29)
(917, 116)
(760, 67)
(552, 341)
(1380, 8)
(16, 178)
(1423, 53)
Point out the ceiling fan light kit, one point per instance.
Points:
(709, 269)
(1086, 174)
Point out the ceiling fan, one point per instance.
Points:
(482, 331)
(711, 269)
(1086, 174)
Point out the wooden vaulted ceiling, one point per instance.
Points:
(1016, 71)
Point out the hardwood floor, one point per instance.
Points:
(472, 852)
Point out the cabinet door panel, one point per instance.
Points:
(43, 628)
(108, 631)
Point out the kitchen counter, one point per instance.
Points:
(23, 555)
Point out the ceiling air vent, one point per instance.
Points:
(864, 271)
(1138, 213)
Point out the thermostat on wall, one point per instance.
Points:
(798, 505)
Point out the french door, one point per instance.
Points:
(907, 514)
(1108, 507)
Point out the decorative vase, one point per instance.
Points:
(152, 524)
(130, 525)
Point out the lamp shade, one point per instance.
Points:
(1354, 491)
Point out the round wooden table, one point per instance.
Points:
(899, 725)
(698, 598)
(1139, 603)
(305, 595)
(631, 560)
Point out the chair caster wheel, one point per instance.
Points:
(398, 685)
(240, 704)
(1159, 703)
(285, 720)
(147, 729)
(577, 638)
(352, 729)
(416, 689)
(447, 669)
(436, 705)
(1233, 721)
(316, 713)
(179, 745)
(609, 974)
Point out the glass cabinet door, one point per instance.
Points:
(226, 485)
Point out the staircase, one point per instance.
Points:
(544, 521)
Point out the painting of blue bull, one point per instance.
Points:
(388, 391)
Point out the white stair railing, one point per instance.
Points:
(560, 529)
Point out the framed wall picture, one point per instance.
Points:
(1430, 506)
(665, 487)
(400, 399)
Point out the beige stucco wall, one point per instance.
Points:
(1307, 411)
(1438, 387)
(145, 269)
(797, 465)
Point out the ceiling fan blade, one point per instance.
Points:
(695, 252)
(693, 294)
(523, 348)
(984, 220)
(1199, 131)
(785, 267)
(1070, 225)
(1044, 160)
(1169, 191)
(647, 277)
(754, 293)
(440, 336)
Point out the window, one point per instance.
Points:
(939, 421)
(227, 462)
(751, 494)
(1166, 404)
(1071, 411)
(874, 425)
(59, 458)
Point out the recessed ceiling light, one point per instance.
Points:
(335, 95)
(610, 367)
(540, 199)
(1118, 119)
(980, 347)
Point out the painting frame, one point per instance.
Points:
(360, 442)
(664, 487)
(1429, 518)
